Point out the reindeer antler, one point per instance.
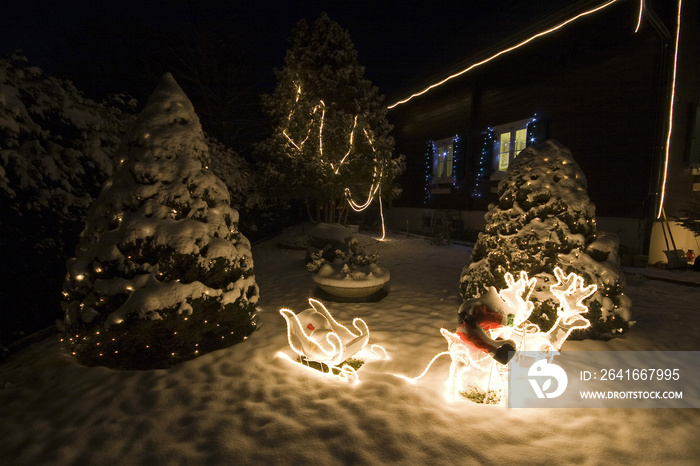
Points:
(570, 292)
(517, 294)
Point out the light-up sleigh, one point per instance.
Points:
(316, 337)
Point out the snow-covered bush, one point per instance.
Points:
(56, 145)
(259, 213)
(236, 174)
(543, 219)
(55, 153)
(355, 256)
(162, 273)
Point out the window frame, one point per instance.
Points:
(436, 180)
(512, 127)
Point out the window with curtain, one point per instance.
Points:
(511, 138)
(443, 160)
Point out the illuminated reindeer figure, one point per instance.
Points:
(570, 293)
(475, 348)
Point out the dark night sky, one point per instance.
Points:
(402, 44)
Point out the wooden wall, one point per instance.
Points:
(597, 83)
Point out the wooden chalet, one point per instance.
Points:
(598, 77)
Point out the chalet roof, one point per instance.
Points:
(530, 21)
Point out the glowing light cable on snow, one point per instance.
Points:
(639, 16)
(507, 50)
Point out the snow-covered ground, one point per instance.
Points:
(245, 405)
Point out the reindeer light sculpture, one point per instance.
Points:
(494, 326)
(516, 333)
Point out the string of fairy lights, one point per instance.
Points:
(440, 150)
(374, 190)
(95, 339)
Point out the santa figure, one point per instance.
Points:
(484, 317)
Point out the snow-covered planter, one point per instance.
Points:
(351, 281)
(348, 272)
(328, 238)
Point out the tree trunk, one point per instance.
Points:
(308, 212)
(330, 211)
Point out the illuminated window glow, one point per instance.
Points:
(503, 151)
(443, 161)
(511, 138)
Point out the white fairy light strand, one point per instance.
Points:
(667, 153)
(377, 175)
(639, 16)
(425, 371)
(505, 51)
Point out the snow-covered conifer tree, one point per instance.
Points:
(331, 136)
(56, 150)
(543, 219)
(161, 273)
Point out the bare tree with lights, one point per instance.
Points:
(161, 274)
(330, 145)
(544, 219)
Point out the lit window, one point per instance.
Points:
(443, 161)
(510, 140)
(503, 151)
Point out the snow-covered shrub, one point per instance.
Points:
(56, 145)
(236, 174)
(354, 256)
(162, 273)
(260, 215)
(55, 153)
(543, 219)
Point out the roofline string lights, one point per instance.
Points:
(507, 50)
(640, 16)
(377, 174)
